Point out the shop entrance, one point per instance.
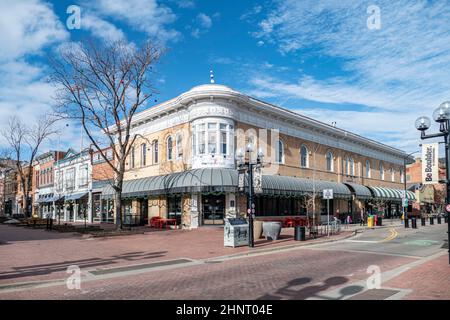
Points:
(213, 209)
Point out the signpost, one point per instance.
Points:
(328, 194)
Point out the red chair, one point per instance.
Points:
(289, 223)
(155, 222)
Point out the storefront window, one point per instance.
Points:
(201, 138)
(266, 206)
(174, 208)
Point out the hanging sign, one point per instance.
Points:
(257, 180)
(430, 163)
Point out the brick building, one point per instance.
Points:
(183, 163)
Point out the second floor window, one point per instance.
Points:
(402, 176)
(381, 171)
(132, 158)
(155, 151)
(143, 154)
(304, 157)
(279, 155)
(367, 169)
(329, 161)
(70, 179)
(179, 146)
(392, 175)
(83, 175)
(169, 149)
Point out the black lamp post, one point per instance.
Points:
(442, 116)
(247, 165)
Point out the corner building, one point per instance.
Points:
(183, 162)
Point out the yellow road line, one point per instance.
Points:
(392, 236)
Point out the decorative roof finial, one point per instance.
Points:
(211, 75)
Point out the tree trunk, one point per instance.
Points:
(118, 208)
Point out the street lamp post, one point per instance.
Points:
(442, 116)
(248, 165)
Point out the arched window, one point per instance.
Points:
(381, 171)
(132, 158)
(169, 148)
(392, 175)
(402, 176)
(279, 152)
(179, 146)
(304, 157)
(143, 155)
(346, 165)
(155, 151)
(351, 164)
(367, 169)
(330, 164)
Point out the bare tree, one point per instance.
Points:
(103, 86)
(24, 143)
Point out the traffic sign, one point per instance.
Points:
(328, 193)
(447, 207)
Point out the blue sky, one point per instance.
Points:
(318, 58)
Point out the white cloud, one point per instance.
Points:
(185, 4)
(27, 27)
(142, 15)
(401, 69)
(204, 20)
(101, 28)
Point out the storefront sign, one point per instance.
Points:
(430, 165)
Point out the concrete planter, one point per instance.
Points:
(271, 230)
(257, 229)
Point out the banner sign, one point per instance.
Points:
(257, 180)
(430, 163)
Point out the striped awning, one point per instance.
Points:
(360, 191)
(390, 194)
(212, 180)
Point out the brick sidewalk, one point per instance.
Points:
(31, 255)
(428, 281)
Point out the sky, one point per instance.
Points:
(372, 67)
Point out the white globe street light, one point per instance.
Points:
(442, 113)
(423, 123)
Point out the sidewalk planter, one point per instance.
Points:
(271, 230)
(257, 229)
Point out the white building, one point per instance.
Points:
(73, 187)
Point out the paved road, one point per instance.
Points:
(328, 271)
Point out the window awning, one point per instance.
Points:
(75, 196)
(297, 187)
(360, 191)
(222, 180)
(390, 194)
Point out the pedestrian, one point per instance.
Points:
(349, 219)
(375, 217)
(361, 220)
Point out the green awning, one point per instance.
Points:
(390, 194)
(214, 180)
(360, 191)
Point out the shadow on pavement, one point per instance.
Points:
(43, 269)
(292, 291)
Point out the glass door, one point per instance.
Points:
(213, 209)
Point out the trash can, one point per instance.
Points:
(431, 220)
(406, 222)
(414, 223)
(439, 220)
(379, 221)
(370, 221)
(299, 233)
(423, 221)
